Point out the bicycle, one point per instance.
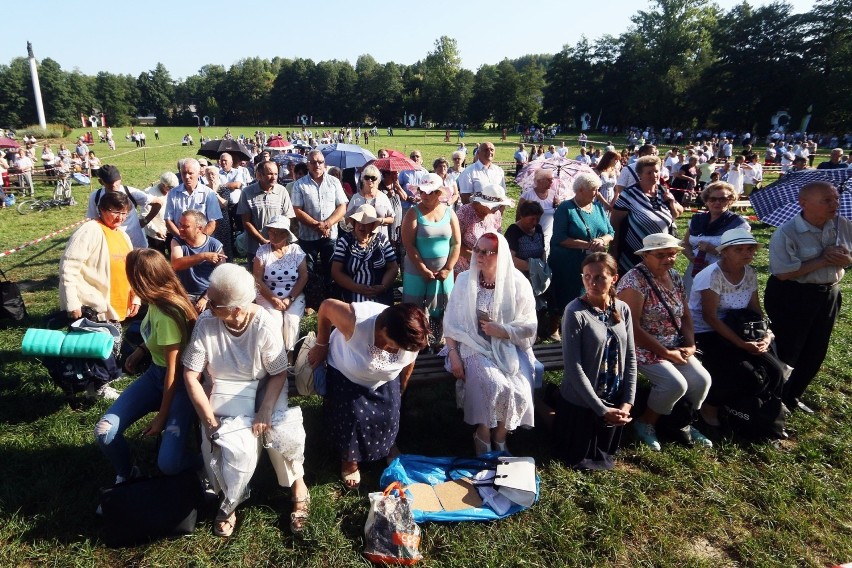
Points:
(29, 205)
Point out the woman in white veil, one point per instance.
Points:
(490, 325)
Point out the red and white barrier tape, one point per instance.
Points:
(40, 239)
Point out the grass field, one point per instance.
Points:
(735, 505)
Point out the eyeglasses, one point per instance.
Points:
(214, 306)
(483, 252)
(317, 162)
(718, 199)
(370, 178)
(117, 213)
(663, 255)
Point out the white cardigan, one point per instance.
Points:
(84, 272)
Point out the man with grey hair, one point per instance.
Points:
(194, 256)
(834, 162)
(156, 229)
(192, 194)
(480, 173)
(229, 176)
(319, 203)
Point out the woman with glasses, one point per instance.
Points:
(665, 342)
(370, 194)
(236, 345)
(490, 326)
(457, 166)
(642, 209)
(705, 229)
(92, 278)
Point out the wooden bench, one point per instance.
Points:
(429, 367)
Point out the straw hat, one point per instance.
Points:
(492, 196)
(282, 223)
(659, 241)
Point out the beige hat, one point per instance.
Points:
(364, 214)
(659, 241)
(493, 196)
(735, 237)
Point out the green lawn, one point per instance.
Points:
(737, 504)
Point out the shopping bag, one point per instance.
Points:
(515, 479)
(391, 533)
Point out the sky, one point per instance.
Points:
(132, 37)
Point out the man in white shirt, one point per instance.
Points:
(156, 229)
(481, 173)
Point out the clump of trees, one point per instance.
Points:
(681, 62)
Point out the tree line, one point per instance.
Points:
(683, 63)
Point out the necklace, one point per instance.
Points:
(584, 208)
(241, 327)
(482, 283)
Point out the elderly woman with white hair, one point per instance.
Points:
(543, 193)
(580, 227)
(238, 347)
(369, 193)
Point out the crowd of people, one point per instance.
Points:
(593, 271)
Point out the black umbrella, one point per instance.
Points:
(214, 148)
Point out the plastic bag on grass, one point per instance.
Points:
(392, 535)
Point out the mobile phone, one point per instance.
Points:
(482, 315)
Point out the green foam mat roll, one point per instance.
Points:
(42, 342)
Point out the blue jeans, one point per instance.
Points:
(140, 398)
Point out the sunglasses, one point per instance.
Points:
(483, 252)
(370, 178)
(663, 255)
(718, 199)
(317, 162)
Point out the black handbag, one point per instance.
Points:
(747, 324)
(12, 306)
(144, 509)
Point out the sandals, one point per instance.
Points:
(225, 524)
(351, 480)
(299, 516)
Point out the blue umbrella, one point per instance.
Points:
(346, 155)
(778, 202)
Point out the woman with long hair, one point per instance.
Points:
(166, 329)
(599, 382)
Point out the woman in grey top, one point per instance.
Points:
(599, 383)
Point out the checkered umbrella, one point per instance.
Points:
(564, 172)
(778, 201)
(393, 164)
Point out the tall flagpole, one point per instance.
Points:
(36, 87)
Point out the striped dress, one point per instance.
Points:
(364, 264)
(433, 243)
(645, 216)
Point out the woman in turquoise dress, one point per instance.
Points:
(432, 241)
(580, 227)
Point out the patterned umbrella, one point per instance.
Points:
(393, 164)
(778, 201)
(289, 157)
(346, 155)
(564, 172)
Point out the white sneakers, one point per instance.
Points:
(105, 392)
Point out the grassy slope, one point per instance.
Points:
(734, 505)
